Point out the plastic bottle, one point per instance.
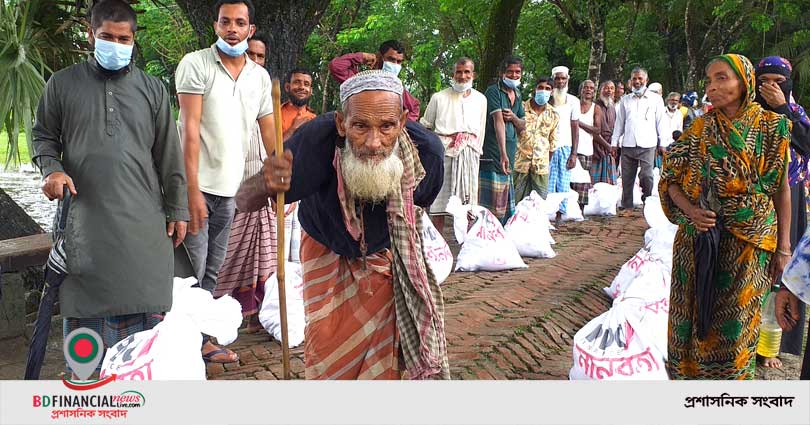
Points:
(770, 334)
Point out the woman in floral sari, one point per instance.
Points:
(727, 170)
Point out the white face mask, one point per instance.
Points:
(461, 87)
(391, 67)
(232, 51)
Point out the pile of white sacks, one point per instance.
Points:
(629, 341)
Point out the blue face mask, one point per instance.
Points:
(391, 67)
(512, 84)
(112, 56)
(639, 91)
(541, 97)
(232, 51)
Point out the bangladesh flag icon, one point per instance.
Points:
(83, 350)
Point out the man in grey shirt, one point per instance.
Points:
(105, 130)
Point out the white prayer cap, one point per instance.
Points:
(559, 70)
(656, 88)
(373, 80)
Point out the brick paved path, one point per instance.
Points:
(506, 325)
(509, 325)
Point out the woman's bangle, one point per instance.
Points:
(788, 253)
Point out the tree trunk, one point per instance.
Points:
(287, 24)
(691, 54)
(598, 22)
(615, 66)
(500, 39)
(14, 222)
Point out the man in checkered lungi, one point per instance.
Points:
(565, 156)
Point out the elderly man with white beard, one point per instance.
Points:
(565, 156)
(603, 169)
(362, 175)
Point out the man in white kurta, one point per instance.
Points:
(457, 115)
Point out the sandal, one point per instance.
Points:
(209, 357)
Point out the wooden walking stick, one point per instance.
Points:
(280, 254)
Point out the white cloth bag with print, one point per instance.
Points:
(437, 253)
(529, 228)
(171, 350)
(485, 246)
(616, 346)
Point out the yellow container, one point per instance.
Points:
(770, 338)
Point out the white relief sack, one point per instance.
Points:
(602, 200)
(437, 252)
(615, 346)
(269, 315)
(572, 212)
(579, 174)
(171, 350)
(485, 246)
(529, 228)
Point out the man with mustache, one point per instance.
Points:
(640, 129)
(222, 93)
(604, 164)
(458, 115)
(363, 175)
(590, 129)
(296, 111)
(565, 154)
(104, 130)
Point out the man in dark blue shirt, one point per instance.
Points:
(361, 176)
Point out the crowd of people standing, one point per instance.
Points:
(359, 178)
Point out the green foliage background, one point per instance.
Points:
(437, 32)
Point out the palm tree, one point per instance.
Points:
(37, 37)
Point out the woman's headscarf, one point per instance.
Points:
(749, 113)
(797, 170)
(781, 66)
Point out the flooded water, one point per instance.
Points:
(24, 188)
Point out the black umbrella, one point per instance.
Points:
(707, 247)
(55, 272)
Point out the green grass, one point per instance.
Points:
(24, 157)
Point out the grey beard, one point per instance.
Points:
(607, 101)
(370, 181)
(560, 96)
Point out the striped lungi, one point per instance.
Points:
(559, 177)
(583, 188)
(250, 260)
(495, 192)
(351, 330)
(604, 170)
(460, 179)
(112, 329)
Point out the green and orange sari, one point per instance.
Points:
(744, 158)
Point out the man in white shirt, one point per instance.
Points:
(565, 154)
(458, 115)
(673, 113)
(674, 118)
(222, 93)
(640, 125)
